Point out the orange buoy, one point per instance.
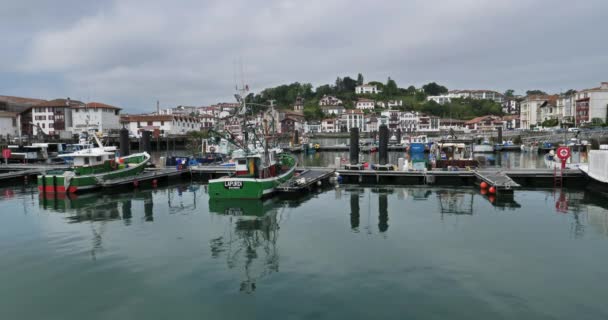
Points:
(492, 190)
(483, 185)
(154, 183)
(484, 192)
(492, 198)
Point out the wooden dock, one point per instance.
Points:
(497, 179)
(305, 180)
(29, 166)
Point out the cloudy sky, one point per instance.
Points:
(131, 53)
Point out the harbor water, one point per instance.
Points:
(346, 252)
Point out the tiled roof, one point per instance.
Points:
(99, 105)
(59, 103)
(20, 100)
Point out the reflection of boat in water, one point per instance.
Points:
(484, 147)
(252, 245)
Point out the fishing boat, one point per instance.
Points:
(90, 168)
(259, 167)
(484, 147)
(507, 146)
(597, 168)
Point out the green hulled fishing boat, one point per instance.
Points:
(90, 168)
(253, 178)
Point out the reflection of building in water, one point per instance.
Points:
(455, 202)
(252, 245)
(419, 193)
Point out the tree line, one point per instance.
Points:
(414, 99)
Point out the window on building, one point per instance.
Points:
(149, 123)
(162, 123)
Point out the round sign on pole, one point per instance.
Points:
(6, 153)
(563, 153)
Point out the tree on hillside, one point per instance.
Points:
(434, 89)
(324, 90)
(360, 79)
(569, 92)
(391, 88)
(535, 92)
(349, 84)
(411, 90)
(379, 85)
(509, 93)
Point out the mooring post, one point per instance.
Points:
(383, 145)
(124, 142)
(354, 146)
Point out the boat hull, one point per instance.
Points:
(246, 188)
(57, 183)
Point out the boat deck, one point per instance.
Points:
(148, 175)
(306, 179)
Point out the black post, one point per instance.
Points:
(354, 145)
(124, 142)
(354, 211)
(399, 136)
(383, 145)
(382, 212)
(499, 135)
(145, 141)
(296, 137)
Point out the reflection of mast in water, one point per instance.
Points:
(251, 235)
(126, 212)
(354, 211)
(382, 212)
(149, 210)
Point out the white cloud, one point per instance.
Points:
(132, 53)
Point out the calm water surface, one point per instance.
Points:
(345, 253)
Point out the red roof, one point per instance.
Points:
(101, 106)
(20, 100)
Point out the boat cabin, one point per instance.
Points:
(252, 166)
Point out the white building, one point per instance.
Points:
(9, 124)
(330, 101)
(367, 89)
(408, 121)
(94, 115)
(54, 116)
(439, 99)
(164, 124)
(365, 104)
(591, 104)
(565, 107)
(330, 125)
(354, 119)
(529, 110)
(312, 127)
(332, 110)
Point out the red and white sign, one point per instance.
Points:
(563, 153)
(6, 153)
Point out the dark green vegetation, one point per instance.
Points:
(414, 99)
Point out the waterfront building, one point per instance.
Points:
(484, 123)
(95, 116)
(408, 121)
(428, 123)
(330, 125)
(207, 121)
(548, 110)
(9, 124)
(591, 104)
(330, 101)
(367, 89)
(511, 105)
(365, 104)
(354, 119)
(371, 123)
(511, 122)
(312, 126)
(54, 117)
(439, 99)
(393, 120)
(529, 110)
(565, 107)
(454, 124)
(164, 124)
